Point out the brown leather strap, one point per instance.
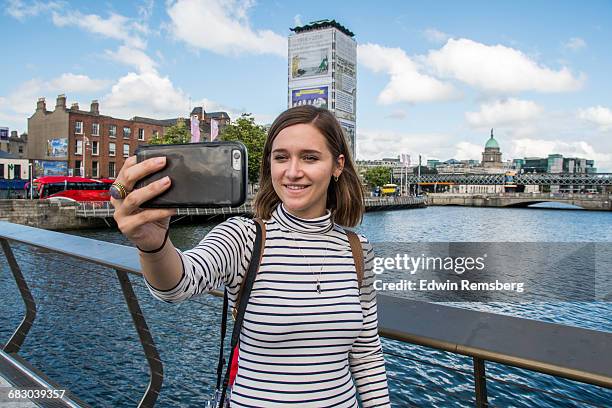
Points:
(357, 251)
(262, 224)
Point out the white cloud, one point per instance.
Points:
(467, 151)
(115, 26)
(406, 83)
(575, 43)
(376, 144)
(133, 57)
(222, 27)
(435, 36)
(397, 114)
(598, 115)
(297, 20)
(77, 83)
(498, 68)
(21, 10)
(503, 112)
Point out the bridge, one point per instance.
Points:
(599, 202)
(562, 179)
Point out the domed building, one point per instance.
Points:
(492, 157)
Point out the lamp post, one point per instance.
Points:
(85, 144)
(31, 180)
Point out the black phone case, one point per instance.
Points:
(202, 174)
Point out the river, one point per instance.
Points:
(83, 337)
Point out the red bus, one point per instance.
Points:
(72, 188)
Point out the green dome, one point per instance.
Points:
(492, 143)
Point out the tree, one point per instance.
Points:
(174, 134)
(245, 130)
(377, 176)
(424, 170)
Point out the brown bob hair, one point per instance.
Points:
(344, 197)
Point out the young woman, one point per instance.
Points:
(309, 336)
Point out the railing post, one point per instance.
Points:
(480, 383)
(156, 368)
(16, 340)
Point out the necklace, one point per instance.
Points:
(318, 278)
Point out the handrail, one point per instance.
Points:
(564, 351)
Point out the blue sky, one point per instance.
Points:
(433, 77)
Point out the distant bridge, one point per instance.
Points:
(601, 202)
(562, 179)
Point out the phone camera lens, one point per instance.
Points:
(236, 155)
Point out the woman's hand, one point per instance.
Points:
(146, 228)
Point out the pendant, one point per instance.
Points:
(319, 288)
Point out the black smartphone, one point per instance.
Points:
(208, 175)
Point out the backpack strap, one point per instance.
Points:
(357, 251)
(242, 300)
(262, 228)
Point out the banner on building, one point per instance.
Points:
(195, 129)
(310, 54)
(214, 129)
(318, 97)
(57, 147)
(50, 168)
(4, 133)
(405, 159)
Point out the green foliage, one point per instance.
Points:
(377, 176)
(245, 130)
(174, 134)
(424, 170)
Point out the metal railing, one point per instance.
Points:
(104, 209)
(568, 352)
(597, 179)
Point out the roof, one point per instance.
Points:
(314, 25)
(159, 122)
(492, 143)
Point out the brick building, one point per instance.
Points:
(84, 142)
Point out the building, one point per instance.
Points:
(492, 157)
(323, 71)
(4, 139)
(556, 163)
(71, 141)
(205, 121)
(13, 167)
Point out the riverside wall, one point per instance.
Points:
(46, 214)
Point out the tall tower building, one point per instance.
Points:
(323, 71)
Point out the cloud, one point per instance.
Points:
(598, 115)
(397, 114)
(498, 68)
(222, 27)
(376, 144)
(115, 26)
(133, 57)
(435, 36)
(468, 151)
(21, 10)
(21, 101)
(297, 20)
(406, 83)
(503, 112)
(575, 43)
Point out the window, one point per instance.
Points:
(78, 127)
(141, 134)
(127, 132)
(20, 149)
(126, 150)
(78, 148)
(77, 167)
(155, 133)
(111, 169)
(95, 129)
(94, 169)
(112, 130)
(111, 149)
(1, 170)
(17, 171)
(94, 148)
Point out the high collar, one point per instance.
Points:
(292, 223)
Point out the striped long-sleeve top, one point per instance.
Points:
(298, 347)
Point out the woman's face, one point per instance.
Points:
(302, 167)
